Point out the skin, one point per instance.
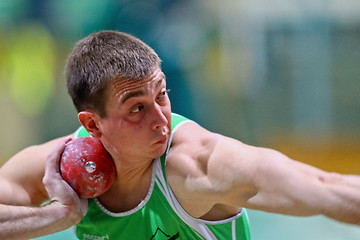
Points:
(212, 176)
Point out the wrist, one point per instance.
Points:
(21, 222)
(65, 216)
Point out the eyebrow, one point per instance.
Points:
(137, 93)
(131, 94)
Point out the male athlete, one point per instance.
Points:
(175, 179)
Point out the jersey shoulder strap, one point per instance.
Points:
(176, 119)
(81, 132)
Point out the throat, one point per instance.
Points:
(126, 195)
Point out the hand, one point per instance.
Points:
(60, 193)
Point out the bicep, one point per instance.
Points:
(286, 186)
(21, 176)
(265, 179)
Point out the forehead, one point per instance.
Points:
(122, 88)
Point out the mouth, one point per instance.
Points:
(163, 139)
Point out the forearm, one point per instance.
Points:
(344, 198)
(19, 222)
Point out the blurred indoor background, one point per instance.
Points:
(281, 74)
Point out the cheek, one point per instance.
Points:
(108, 126)
(127, 131)
(112, 129)
(166, 108)
(168, 114)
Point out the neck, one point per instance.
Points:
(130, 188)
(132, 176)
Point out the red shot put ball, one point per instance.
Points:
(87, 167)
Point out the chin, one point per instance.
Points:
(159, 152)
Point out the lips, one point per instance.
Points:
(162, 140)
(164, 136)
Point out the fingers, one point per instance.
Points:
(52, 168)
(83, 206)
(54, 157)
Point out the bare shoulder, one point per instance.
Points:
(189, 169)
(195, 152)
(21, 176)
(189, 150)
(187, 160)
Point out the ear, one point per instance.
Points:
(90, 122)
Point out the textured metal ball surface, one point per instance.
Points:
(87, 167)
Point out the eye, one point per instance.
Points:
(164, 93)
(137, 109)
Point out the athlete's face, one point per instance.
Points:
(138, 121)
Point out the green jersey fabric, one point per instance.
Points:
(159, 216)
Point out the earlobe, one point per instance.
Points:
(89, 121)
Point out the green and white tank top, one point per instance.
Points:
(159, 216)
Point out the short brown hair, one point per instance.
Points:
(105, 57)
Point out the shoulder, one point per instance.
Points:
(187, 132)
(186, 167)
(190, 145)
(189, 140)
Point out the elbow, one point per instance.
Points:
(330, 178)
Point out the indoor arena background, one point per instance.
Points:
(281, 74)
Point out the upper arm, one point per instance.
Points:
(222, 170)
(21, 176)
(277, 183)
(265, 179)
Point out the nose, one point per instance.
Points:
(159, 119)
